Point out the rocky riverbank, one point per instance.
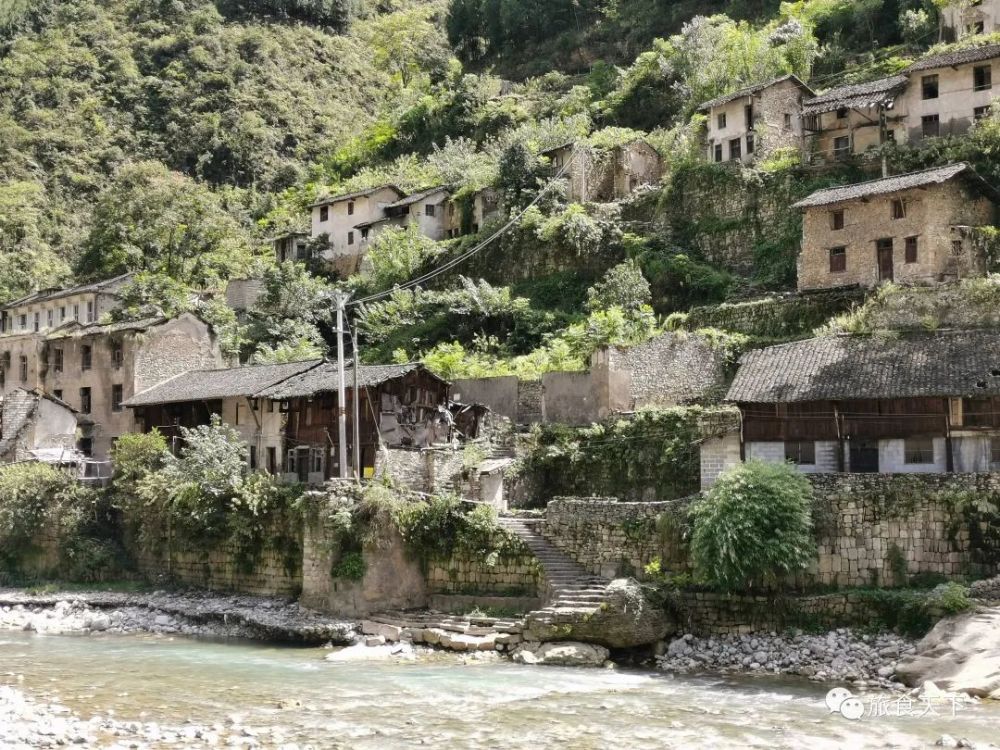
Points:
(188, 613)
(838, 656)
(26, 724)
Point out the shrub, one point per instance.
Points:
(30, 495)
(753, 527)
(135, 455)
(351, 566)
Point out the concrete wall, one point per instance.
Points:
(570, 398)
(499, 394)
(930, 215)
(718, 454)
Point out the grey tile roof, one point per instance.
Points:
(956, 57)
(411, 199)
(323, 379)
(210, 385)
(753, 89)
(45, 295)
(326, 200)
(74, 329)
(887, 185)
(946, 363)
(856, 96)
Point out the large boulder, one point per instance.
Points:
(960, 654)
(564, 654)
(625, 619)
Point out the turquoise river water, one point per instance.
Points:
(445, 703)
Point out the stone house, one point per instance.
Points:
(96, 367)
(755, 121)
(965, 18)
(338, 217)
(35, 426)
(190, 398)
(605, 175)
(917, 228)
(51, 308)
(910, 403)
(430, 211)
(291, 246)
(846, 121)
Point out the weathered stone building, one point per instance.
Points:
(338, 217)
(965, 18)
(755, 121)
(846, 121)
(910, 403)
(51, 308)
(604, 175)
(917, 228)
(35, 426)
(96, 367)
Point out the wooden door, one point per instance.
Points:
(884, 250)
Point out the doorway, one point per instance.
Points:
(883, 248)
(864, 456)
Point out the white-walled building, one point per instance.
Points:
(964, 18)
(339, 216)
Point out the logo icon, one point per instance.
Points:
(841, 700)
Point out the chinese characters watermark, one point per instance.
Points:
(843, 701)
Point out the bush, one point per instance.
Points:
(754, 527)
(135, 455)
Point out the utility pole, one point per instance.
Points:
(357, 404)
(341, 299)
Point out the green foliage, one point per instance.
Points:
(29, 494)
(623, 287)
(350, 566)
(137, 454)
(285, 324)
(395, 255)
(913, 612)
(439, 527)
(753, 527)
(654, 452)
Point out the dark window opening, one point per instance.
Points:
(918, 451)
(117, 354)
(23, 362)
(838, 259)
(750, 143)
(721, 119)
(842, 113)
(841, 147)
(350, 208)
(718, 152)
(802, 452)
(930, 126)
(982, 78)
(735, 149)
(350, 238)
(981, 113)
(85, 401)
(117, 396)
(836, 220)
(429, 209)
(57, 360)
(898, 209)
(911, 250)
(324, 213)
(86, 357)
(929, 87)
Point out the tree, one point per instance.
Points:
(516, 179)
(28, 259)
(152, 219)
(623, 286)
(395, 254)
(286, 319)
(753, 527)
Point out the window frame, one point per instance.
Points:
(350, 237)
(911, 249)
(930, 87)
(735, 149)
(897, 209)
(58, 359)
(86, 400)
(838, 254)
(86, 357)
(995, 449)
(987, 80)
(928, 120)
(722, 121)
(918, 455)
(837, 220)
(718, 153)
(981, 113)
(324, 213)
(117, 397)
(794, 452)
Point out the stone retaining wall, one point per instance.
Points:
(708, 613)
(509, 576)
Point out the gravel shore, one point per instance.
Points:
(841, 655)
(192, 613)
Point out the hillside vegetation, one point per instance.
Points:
(172, 137)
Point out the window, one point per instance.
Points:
(735, 149)
(890, 136)
(57, 360)
(117, 396)
(350, 208)
(995, 450)
(23, 366)
(722, 120)
(76, 312)
(981, 113)
(801, 452)
(350, 238)
(841, 147)
(117, 354)
(90, 311)
(911, 250)
(982, 78)
(750, 143)
(842, 113)
(788, 121)
(429, 209)
(38, 319)
(62, 313)
(87, 447)
(57, 393)
(48, 318)
(324, 213)
(748, 116)
(253, 457)
(272, 459)
(929, 87)
(86, 357)
(316, 460)
(239, 413)
(718, 152)
(918, 451)
(838, 259)
(956, 247)
(85, 400)
(930, 126)
(898, 208)
(24, 322)
(837, 219)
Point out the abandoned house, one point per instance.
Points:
(604, 175)
(51, 308)
(35, 426)
(291, 246)
(287, 413)
(338, 218)
(849, 120)
(917, 228)
(755, 121)
(921, 402)
(96, 367)
(191, 398)
(427, 211)
(964, 18)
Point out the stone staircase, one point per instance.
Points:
(571, 593)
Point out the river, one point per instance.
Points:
(445, 703)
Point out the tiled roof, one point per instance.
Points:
(323, 379)
(326, 200)
(947, 363)
(210, 385)
(750, 90)
(411, 199)
(856, 96)
(74, 329)
(956, 57)
(886, 185)
(44, 295)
